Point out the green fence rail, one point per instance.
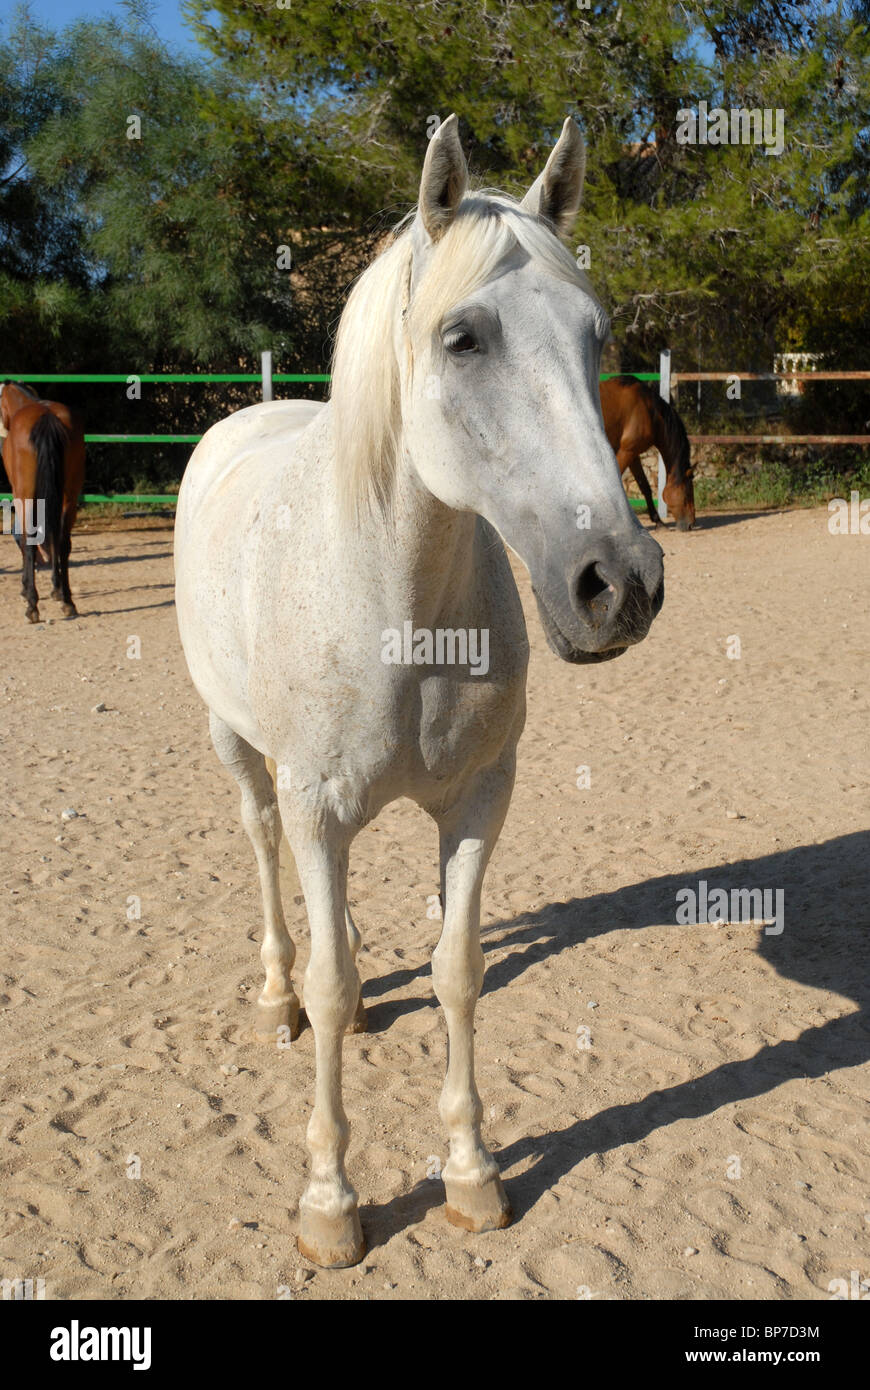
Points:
(149, 499)
(142, 438)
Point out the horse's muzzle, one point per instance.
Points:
(614, 592)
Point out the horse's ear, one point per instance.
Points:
(444, 179)
(555, 194)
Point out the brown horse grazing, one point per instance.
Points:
(44, 457)
(636, 419)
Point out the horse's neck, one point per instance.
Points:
(432, 553)
(660, 436)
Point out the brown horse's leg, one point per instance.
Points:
(54, 557)
(632, 461)
(65, 545)
(22, 546)
(28, 580)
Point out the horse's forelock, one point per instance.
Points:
(488, 226)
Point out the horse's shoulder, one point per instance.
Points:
(237, 457)
(257, 425)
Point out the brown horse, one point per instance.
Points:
(44, 457)
(635, 419)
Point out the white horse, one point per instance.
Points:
(307, 536)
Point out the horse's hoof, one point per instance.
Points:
(69, 610)
(330, 1243)
(32, 615)
(278, 1024)
(477, 1207)
(360, 1021)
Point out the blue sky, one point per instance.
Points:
(166, 18)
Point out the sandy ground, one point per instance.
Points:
(710, 1141)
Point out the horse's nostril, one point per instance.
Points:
(590, 583)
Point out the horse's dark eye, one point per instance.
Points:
(460, 342)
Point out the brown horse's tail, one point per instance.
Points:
(49, 438)
(672, 441)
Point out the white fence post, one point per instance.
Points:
(266, 368)
(665, 393)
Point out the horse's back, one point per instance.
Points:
(226, 483)
(223, 454)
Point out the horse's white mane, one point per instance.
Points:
(366, 382)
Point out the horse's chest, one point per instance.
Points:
(447, 725)
(461, 723)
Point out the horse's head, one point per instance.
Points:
(679, 496)
(501, 413)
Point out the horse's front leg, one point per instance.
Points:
(627, 459)
(277, 1006)
(468, 832)
(329, 1226)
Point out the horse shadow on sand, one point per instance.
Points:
(123, 557)
(711, 521)
(706, 521)
(825, 944)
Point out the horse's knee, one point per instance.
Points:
(332, 992)
(457, 974)
(260, 816)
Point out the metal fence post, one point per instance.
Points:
(665, 393)
(266, 361)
